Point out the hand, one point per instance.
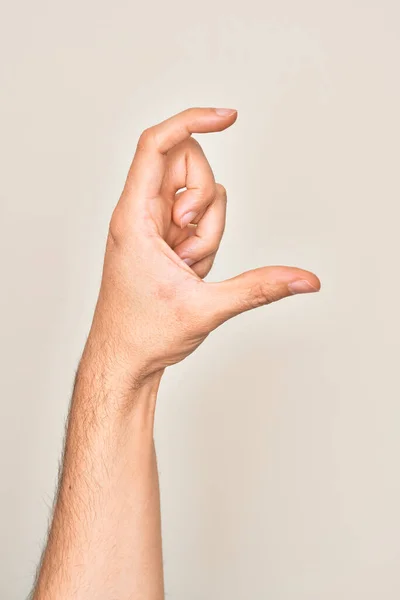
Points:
(154, 307)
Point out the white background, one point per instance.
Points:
(278, 440)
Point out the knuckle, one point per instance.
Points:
(117, 226)
(204, 195)
(209, 191)
(188, 148)
(206, 265)
(204, 251)
(260, 294)
(147, 139)
(207, 247)
(191, 143)
(221, 191)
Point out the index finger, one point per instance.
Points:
(147, 169)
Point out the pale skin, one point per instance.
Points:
(153, 310)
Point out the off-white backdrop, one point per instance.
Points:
(278, 441)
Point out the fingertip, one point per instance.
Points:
(228, 116)
(316, 282)
(288, 275)
(301, 286)
(226, 112)
(303, 282)
(312, 280)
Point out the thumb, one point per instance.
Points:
(258, 287)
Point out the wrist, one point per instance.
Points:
(106, 379)
(117, 356)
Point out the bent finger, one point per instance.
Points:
(204, 266)
(147, 169)
(187, 167)
(208, 233)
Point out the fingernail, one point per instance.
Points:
(185, 220)
(225, 112)
(302, 286)
(188, 261)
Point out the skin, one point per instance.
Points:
(153, 310)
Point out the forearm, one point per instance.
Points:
(105, 539)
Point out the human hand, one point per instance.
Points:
(154, 307)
